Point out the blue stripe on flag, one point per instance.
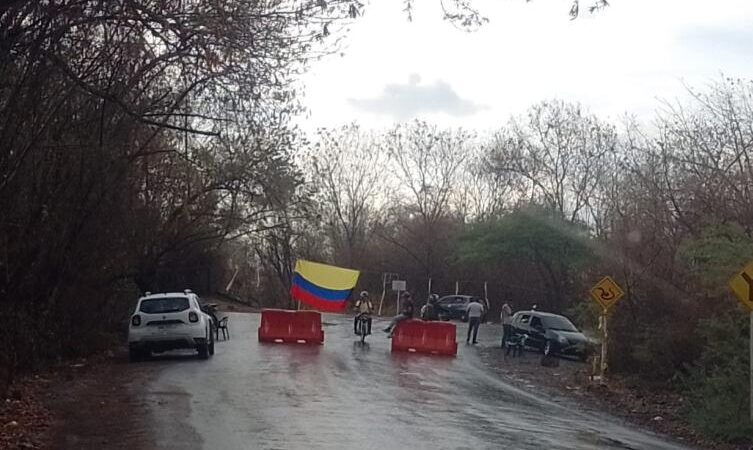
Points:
(322, 293)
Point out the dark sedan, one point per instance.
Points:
(453, 307)
(551, 334)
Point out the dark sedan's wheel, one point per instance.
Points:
(583, 357)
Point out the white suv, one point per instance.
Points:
(169, 321)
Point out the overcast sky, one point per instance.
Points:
(620, 60)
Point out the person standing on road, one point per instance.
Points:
(506, 318)
(406, 313)
(365, 307)
(473, 311)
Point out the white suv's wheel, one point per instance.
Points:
(203, 350)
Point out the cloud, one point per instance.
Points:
(407, 101)
(711, 41)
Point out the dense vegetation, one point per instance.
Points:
(146, 145)
(135, 138)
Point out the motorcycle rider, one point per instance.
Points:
(365, 308)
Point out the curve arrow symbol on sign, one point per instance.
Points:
(748, 280)
(606, 294)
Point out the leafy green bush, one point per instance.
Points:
(718, 385)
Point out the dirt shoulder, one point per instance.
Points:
(84, 404)
(656, 411)
(25, 419)
(98, 406)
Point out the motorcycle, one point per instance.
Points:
(362, 327)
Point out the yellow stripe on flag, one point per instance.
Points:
(325, 276)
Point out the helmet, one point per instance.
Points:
(364, 294)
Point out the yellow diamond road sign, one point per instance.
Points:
(606, 292)
(742, 286)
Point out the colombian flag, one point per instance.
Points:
(323, 287)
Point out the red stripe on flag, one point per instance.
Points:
(317, 302)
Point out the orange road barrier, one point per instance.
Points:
(278, 325)
(418, 336)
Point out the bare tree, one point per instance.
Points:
(136, 136)
(482, 193)
(465, 16)
(706, 150)
(347, 168)
(559, 152)
(426, 161)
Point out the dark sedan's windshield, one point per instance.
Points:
(558, 323)
(164, 305)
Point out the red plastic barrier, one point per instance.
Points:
(436, 338)
(440, 338)
(307, 325)
(408, 336)
(279, 325)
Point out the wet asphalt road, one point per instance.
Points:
(344, 395)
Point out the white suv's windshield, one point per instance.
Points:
(163, 305)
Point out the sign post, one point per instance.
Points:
(384, 291)
(606, 293)
(742, 286)
(399, 286)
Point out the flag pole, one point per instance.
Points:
(384, 291)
